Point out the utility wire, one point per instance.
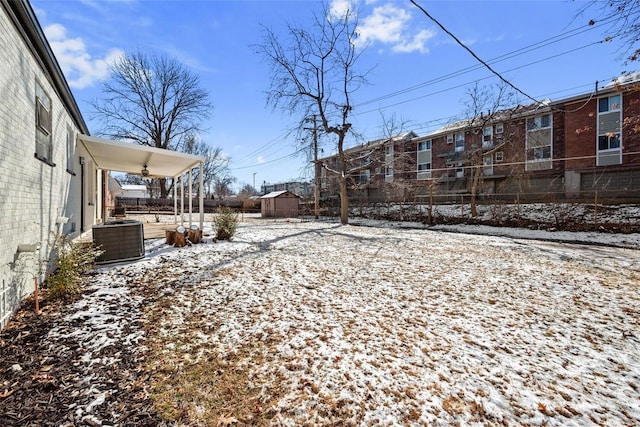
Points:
(264, 147)
(507, 82)
(295, 153)
(497, 59)
(483, 78)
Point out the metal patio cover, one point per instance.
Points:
(131, 158)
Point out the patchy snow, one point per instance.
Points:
(393, 325)
(544, 214)
(631, 240)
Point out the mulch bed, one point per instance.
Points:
(47, 380)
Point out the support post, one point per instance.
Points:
(181, 199)
(175, 200)
(201, 194)
(190, 189)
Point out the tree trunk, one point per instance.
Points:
(164, 192)
(344, 201)
(474, 189)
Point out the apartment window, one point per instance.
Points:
(459, 142)
(425, 145)
(363, 177)
(609, 104)
(539, 142)
(542, 153)
(609, 144)
(388, 161)
(450, 138)
(500, 128)
(423, 160)
(44, 147)
(609, 141)
(459, 170)
(540, 122)
(499, 156)
(424, 170)
(487, 165)
(487, 137)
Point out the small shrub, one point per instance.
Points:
(72, 261)
(225, 223)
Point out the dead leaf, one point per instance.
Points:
(226, 421)
(6, 393)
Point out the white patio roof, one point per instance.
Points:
(131, 158)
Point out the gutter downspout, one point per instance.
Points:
(82, 194)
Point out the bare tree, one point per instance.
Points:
(314, 72)
(623, 19)
(247, 191)
(485, 106)
(216, 162)
(222, 185)
(399, 160)
(151, 100)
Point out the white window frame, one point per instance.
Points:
(499, 156)
(388, 162)
(43, 125)
(71, 149)
(499, 128)
(539, 123)
(487, 164)
(487, 137)
(610, 107)
(424, 145)
(459, 137)
(536, 123)
(423, 168)
(449, 138)
(610, 155)
(364, 176)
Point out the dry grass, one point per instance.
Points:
(192, 385)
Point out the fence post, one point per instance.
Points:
(595, 210)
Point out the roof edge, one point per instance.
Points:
(25, 20)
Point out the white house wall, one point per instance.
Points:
(33, 194)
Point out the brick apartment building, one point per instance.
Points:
(570, 148)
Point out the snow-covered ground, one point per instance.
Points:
(388, 326)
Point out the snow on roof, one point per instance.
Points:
(275, 194)
(134, 187)
(624, 79)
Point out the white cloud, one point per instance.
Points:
(389, 24)
(260, 159)
(79, 67)
(339, 8)
(417, 44)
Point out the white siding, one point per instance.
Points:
(32, 193)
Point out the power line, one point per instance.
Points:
(473, 54)
(497, 59)
(483, 78)
(295, 153)
(444, 120)
(264, 147)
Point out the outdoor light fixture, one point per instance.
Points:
(145, 171)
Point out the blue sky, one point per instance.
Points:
(411, 56)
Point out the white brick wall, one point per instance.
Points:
(32, 193)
